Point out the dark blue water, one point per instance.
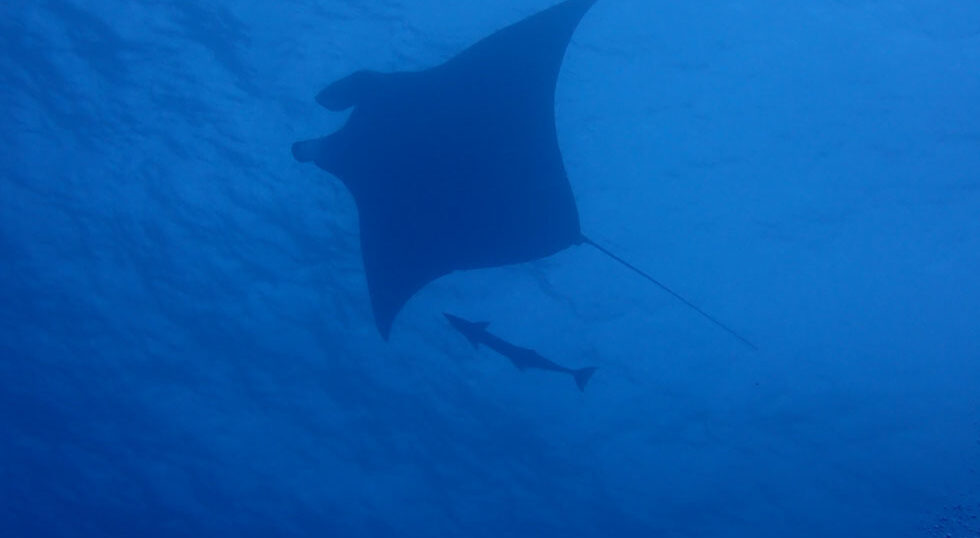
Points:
(186, 342)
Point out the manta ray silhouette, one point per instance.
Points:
(457, 167)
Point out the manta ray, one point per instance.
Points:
(457, 166)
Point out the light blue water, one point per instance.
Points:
(187, 348)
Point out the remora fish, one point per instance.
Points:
(522, 358)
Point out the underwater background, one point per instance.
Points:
(186, 341)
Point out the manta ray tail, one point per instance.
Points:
(676, 295)
(582, 376)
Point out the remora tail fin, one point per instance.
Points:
(583, 375)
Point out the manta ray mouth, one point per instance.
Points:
(305, 151)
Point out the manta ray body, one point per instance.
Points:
(458, 167)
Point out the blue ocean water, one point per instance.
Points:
(186, 341)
